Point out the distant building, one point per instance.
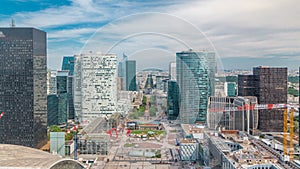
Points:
(195, 73)
(230, 89)
(247, 85)
(269, 85)
(172, 71)
(95, 87)
(173, 100)
(52, 112)
(131, 75)
(60, 97)
(229, 113)
(160, 83)
(68, 64)
(23, 86)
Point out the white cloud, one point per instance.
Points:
(253, 28)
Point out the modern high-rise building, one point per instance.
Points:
(172, 71)
(269, 85)
(61, 80)
(195, 72)
(173, 100)
(52, 112)
(230, 89)
(247, 85)
(228, 113)
(160, 83)
(130, 75)
(271, 89)
(23, 86)
(68, 64)
(95, 86)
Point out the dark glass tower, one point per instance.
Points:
(269, 85)
(52, 102)
(130, 75)
(247, 85)
(23, 88)
(271, 89)
(173, 100)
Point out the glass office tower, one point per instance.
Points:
(23, 86)
(195, 72)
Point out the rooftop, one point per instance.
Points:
(15, 156)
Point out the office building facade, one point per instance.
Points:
(269, 85)
(172, 70)
(195, 77)
(230, 89)
(173, 100)
(130, 75)
(95, 86)
(23, 86)
(61, 91)
(229, 113)
(68, 63)
(271, 89)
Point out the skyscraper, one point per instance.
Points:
(247, 85)
(269, 85)
(230, 89)
(195, 72)
(95, 86)
(173, 100)
(172, 71)
(68, 64)
(23, 87)
(61, 92)
(271, 89)
(130, 75)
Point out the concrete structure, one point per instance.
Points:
(172, 71)
(20, 157)
(228, 113)
(196, 80)
(93, 138)
(57, 143)
(23, 86)
(269, 85)
(233, 151)
(95, 87)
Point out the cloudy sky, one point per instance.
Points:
(243, 33)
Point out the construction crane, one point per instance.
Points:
(286, 127)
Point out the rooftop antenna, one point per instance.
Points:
(12, 23)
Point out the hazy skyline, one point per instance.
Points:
(245, 33)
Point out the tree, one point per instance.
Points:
(54, 128)
(152, 111)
